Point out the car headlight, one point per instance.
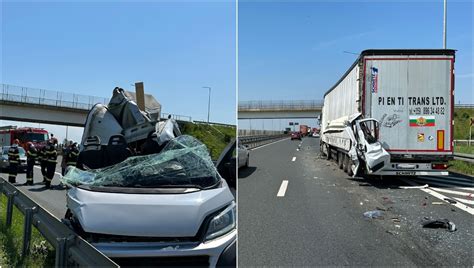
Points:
(222, 223)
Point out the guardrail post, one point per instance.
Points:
(62, 251)
(27, 230)
(10, 197)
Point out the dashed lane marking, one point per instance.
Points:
(268, 144)
(282, 191)
(294, 158)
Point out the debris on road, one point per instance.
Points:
(395, 219)
(440, 223)
(414, 187)
(374, 214)
(387, 200)
(392, 232)
(451, 201)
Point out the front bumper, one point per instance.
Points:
(218, 250)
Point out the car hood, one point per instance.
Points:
(152, 215)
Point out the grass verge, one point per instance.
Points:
(42, 254)
(461, 167)
(464, 149)
(214, 137)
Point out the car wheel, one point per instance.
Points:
(247, 161)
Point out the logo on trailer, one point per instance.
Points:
(421, 137)
(374, 76)
(422, 121)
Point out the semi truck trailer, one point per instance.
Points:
(391, 113)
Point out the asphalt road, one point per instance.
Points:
(54, 199)
(317, 219)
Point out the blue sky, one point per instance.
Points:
(89, 48)
(294, 50)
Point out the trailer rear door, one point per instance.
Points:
(412, 97)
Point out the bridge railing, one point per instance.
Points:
(280, 105)
(71, 249)
(48, 97)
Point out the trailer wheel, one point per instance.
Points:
(346, 164)
(349, 166)
(340, 159)
(328, 152)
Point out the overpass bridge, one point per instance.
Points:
(54, 107)
(279, 109)
(45, 106)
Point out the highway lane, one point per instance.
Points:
(318, 219)
(54, 199)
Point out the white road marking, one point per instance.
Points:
(465, 201)
(294, 158)
(451, 181)
(442, 197)
(451, 192)
(57, 173)
(282, 191)
(268, 144)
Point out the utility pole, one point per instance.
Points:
(208, 104)
(445, 23)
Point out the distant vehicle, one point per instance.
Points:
(169, 207)
(315, 134)
(244, 156)
(392, 113)
(295, 136)
(4, 164)
(37, 136)
(303, 130)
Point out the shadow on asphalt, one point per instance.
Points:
(42, 189)
(245, 172)
(380, 183)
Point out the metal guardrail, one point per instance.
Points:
(48, 97)
(177, 117)
(259, 140)
(214, 124)
(464, 106)
(70, 248)
(467, 156)
(469, 142)
(280, 105)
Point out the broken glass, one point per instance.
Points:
(183, 162)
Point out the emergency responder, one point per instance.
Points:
(42, 159)
(65, 150)
(51, 157)
(13, 161)
(72, 154)
(31, 156)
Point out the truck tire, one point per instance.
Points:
(340, 159)
(328, 152)
(349, 167)
(345, 163)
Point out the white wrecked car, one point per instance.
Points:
(171, 207)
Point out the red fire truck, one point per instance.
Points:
(37, 136)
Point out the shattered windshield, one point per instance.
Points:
(183, 162)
